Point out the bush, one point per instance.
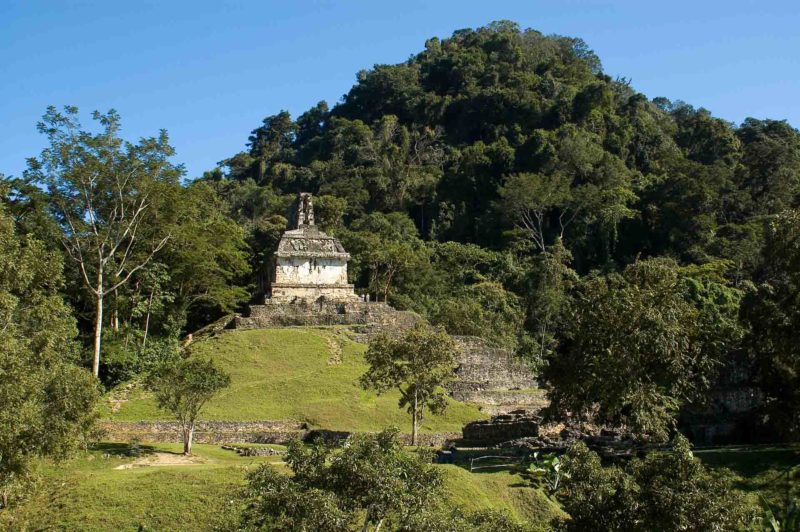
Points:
(665, 491)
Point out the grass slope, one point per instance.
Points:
(89, 494)
(289, 373)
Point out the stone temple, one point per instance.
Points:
(310, 264)
(311, 287)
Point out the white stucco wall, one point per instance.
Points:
(311, 271)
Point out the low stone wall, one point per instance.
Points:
(205, 431)
(500, 429)
(218, 432)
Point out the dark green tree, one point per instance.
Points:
(183, 388)
(772, 311)
(371, 478)
(667, 491)
(418, 364)
(639, 348)
(47, 401)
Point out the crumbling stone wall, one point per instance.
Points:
(499, 429)
(218, 432)
(205, 431)
(494, 378)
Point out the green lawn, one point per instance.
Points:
(766, 474)
(303, 374)
(88, 493)
(499, 490)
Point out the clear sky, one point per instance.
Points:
(210, 71)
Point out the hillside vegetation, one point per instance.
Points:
(303, 374)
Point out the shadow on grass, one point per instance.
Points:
(752, 461)
(123, 449)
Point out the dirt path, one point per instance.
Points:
(163, 459)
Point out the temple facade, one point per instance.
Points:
(310, 265)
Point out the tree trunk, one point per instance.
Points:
(115, 313)
(414, 421)
(147, 317)
(98, 324)
(187, 439)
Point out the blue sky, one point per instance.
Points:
(209, 71)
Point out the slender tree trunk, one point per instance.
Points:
(115, 312)
(188, 433)
(147, 317)
(414, 421)
(98, 323)
(379, 525)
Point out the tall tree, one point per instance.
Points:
(184, 388)
(47, 401)
(638, 348)
(418, 365)
(102, 190)
(773, 313)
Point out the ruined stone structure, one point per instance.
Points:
(310, 264)
(494, 378)
(311, 285)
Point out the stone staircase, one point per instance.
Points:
(492, 378)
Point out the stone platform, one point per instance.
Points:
(377, 315)
(493, 378)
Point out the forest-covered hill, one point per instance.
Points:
(499, 184)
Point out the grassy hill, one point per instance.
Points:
(303, 374)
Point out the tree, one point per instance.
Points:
(47, 401)
(371, 477)
(207, 254)
(385, 248)
(418, 364)
(102, 190)
(666, 491)
(773, 314)
(550, 282)
(637, 350)
(483, 309)
(184, 388)
(529, 199)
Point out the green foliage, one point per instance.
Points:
(483, 309)
(664, 491)
(388, 252)
(47, 401)
(547, 469)
(773, 313)
(418, 364)
(371, 478)
(642, 344)
(184, 387)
